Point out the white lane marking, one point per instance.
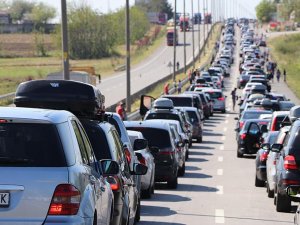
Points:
(219, 216)
(220, 172)
(227, 115)
(222, 147)
(226, 121)
(220, 190)
(223, 138)
(220, 158)
(225, 129)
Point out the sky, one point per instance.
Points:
(245, 7)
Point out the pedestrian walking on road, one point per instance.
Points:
(121, 110)
(177, 65)
(284, 75)
(179, 87)
(166, 89)
(175, 86)
(278, 74)
(234, 98)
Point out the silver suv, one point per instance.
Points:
(48, 165)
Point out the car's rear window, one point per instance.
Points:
(286, 106)
(156, 137)
(215, 94)
(193, 115)
(98, 141)
(164, 116)
(254, 115)
(30, 145)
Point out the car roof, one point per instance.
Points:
(156, 123)
(36, 115)
(187, 108)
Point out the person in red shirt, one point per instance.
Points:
(120, 109)
(166, 89)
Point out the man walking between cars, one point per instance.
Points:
(121, 110)
(278, 74)
(234, 98)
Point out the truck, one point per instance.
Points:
(170, 36)
(157, 17)
(85, 74)
(207, 18)
(184, 23)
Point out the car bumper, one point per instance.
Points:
(70, 220)
(261, 173)
(163, 173)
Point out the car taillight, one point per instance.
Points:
(241, 124)
(114, 183)
(142, 160)
(273, 127)
(3, 121)
(290, 162)
(65, 200)
(263, 156)
(127, 154)
(221, 99)
(243, 136)
(290, 182)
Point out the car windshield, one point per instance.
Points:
(193, 116)
(30, 145)
(156, 137)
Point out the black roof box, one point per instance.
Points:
(79, 98)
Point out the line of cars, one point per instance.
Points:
(268, 127)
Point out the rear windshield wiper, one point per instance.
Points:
(9, 160)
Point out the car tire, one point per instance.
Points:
(199, 139)
(270, 193)
(95, 219)
(239, 155)
(173, 183)
(137, 217)
(147, 193)
(283, 203)
(223, 111)
(190, 144)
(187, 155)
(258, 182)
(181, 170)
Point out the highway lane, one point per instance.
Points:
(150, 70)
(218, 187)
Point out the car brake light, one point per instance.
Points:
(273, 127)
(65, 200)
(263, 156)
(3, 121)
(127, 154)
(241, 124)
(142, 160)
(114, 183)
(290, 162)
(243, 136)
(221, 99)
(290, 182)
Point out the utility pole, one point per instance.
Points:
(207, 23)
(204, 33)
(174, 42)
(184, 37)
(199, 22)
(193, 37)
(65, 47)
(128, 98)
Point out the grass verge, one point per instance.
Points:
(285, 50)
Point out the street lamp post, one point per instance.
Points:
(193, 37)
(199, 21)
(204, 21)
(65, 47)
(128, 99)
(174, 42)
(184, 37)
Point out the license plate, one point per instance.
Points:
(4, 199)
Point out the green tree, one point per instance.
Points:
(42, 13)
(20, 7)
(157, 6)
(265, 10)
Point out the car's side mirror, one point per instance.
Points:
(139, 169)
(109, 167)
(276, 147)
(293, 191)
(266, 146)
(264, 129)
(140, 144)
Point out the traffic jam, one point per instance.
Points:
(71, 162)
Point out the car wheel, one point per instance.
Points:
(283, 204)
(239, 155)
(258, 182)
(137, 217)
(199, 139)
(223, 111)
(270, 193)
(147, 193)
(173, 183)
(181, 170)
(187, 155)
(95, 219)
(190, 143)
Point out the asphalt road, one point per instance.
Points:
(218, 187)
(151, 69)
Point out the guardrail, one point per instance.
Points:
(7, 97)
